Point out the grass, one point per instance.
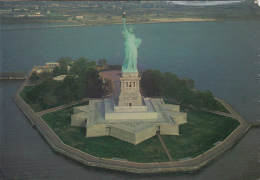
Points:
(199, 135)
(150, 150)
(196, 137)
(220, 107)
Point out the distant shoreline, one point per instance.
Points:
(107, 23)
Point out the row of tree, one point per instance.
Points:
(82, 81)
(77, 67)
(154, 83)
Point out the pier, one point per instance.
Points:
(255, 124)
(13, 75)
(38, 27)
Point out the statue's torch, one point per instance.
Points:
(123, 15)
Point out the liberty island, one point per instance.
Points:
(130, 118)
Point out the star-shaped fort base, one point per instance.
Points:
(100, 119)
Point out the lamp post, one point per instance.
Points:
(118, 63)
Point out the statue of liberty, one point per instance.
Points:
(131, 45)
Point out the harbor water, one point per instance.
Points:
(218, 56)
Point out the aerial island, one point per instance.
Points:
(114, 117)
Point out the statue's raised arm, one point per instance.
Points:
(131, 45)
(124, 15)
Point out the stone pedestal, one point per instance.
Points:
(130, 90)
(134, 127)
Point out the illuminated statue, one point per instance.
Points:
(131, 45)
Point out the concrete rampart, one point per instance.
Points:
(96, 130)
(122, 134)
(78, 121)
(145, 134)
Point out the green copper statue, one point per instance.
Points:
(131, 45)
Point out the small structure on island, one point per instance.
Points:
(130, 117)
(49, 67)
(59, 78)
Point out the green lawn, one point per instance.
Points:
(150, 150)
(220, 107)
(198, 136)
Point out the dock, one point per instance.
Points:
(38, 27)
(13, 75)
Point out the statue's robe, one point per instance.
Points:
(131, 45)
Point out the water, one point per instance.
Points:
(219, 56)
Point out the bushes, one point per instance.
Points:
(51, 93)
(154, 83)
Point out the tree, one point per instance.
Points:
(152, 82)
(94, 83)
(91, 64)
(34, 77)
(209, 101)
(183, 95)
(102, 62)
(45, 76)
(69, 80)
(50, 99)
(64, 62)
(80, 88)
(197, 100)
(190, 82)
(79, 66)
(33, 95)
(56, 71)
(171, 84)
(67, 95)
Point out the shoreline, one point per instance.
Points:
(101, 23)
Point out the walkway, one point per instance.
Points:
(165, 148)
(188, 165)
(62, 106)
